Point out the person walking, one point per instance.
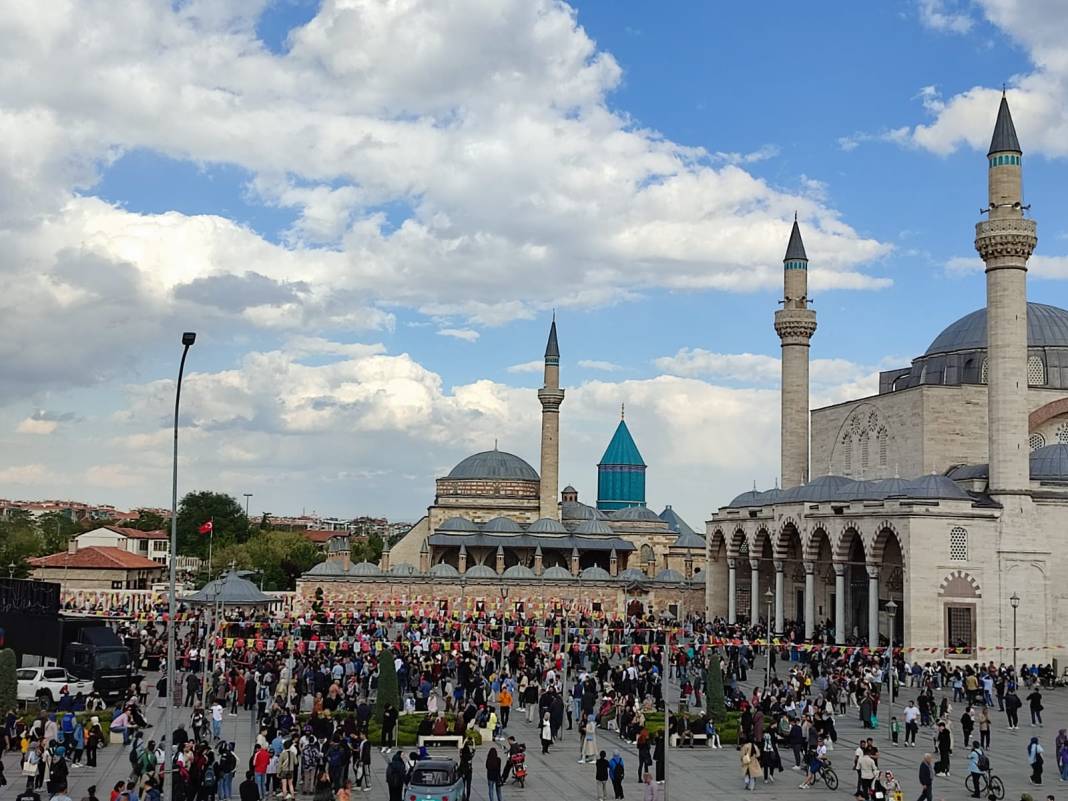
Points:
(396, 774)
(975, 768)
(494, 778)
(546, 733)
(1036, 760)
(589, 742)
(944, 744)
(1012, 709)
(1035, 702)
(750, 759)
(926, 779)
(616, 772)
(868, 770)
(600, 771)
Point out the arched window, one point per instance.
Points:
(1062, 433)
(958, 544)
(864, 451)
(1036, 441)
(882, 437)
(647, 554)
(847, 455)
(983, 372)
(1036, 371)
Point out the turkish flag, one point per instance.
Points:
(206, 528)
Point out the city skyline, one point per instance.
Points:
(371, 247)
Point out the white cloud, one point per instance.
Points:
(597, 364)
(466, 334)
(1049, 267)
(946, 16)
(534, 366)
(762, 153)
(27, 475)
(112, 476)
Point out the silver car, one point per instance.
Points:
(435, 780)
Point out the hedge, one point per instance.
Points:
(407, 727)
(728, 730)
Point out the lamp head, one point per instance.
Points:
(769, 596)
(1014, 599)
(188, 338)
(891, 607)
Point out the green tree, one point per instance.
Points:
(55, 530)
(716, 708)
(147, 520)
(19, 540)
(278, 556)
(369, 551)
(388, 689)
(8, 683)
(226, 514)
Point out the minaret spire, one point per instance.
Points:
(795, 324)
(1005, 242)
(551, 396)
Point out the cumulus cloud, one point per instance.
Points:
(466, 334)
(947, 16)
(27, 475)
(43, 422)
(598, 364)
(533, 366)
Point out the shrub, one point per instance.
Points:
(388, 688)
(9, 686)
(717, 709)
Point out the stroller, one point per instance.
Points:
(518, 763)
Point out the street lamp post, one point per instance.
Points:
(504, 598)
(769, 596)
(11, 570)
(1014, 599)
(247, 496)
(891, 609)
(188, 338)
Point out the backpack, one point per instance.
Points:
(209, 775)
(983, 762)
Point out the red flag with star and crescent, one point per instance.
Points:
(206, 528)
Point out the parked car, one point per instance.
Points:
(45, 685)
(435, 780)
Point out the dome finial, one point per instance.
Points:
(494, 443)
(622, 411)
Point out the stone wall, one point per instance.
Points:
(488, 488)
(95, 578)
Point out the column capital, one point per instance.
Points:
(810, 568)
(779, 565)
(732, 563)
(873, 571)
(754, 564)
(840, 568)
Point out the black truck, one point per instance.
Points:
(41, 636)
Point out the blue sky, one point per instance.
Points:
(368, 218)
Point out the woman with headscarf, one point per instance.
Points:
(1036, 760)
(546, 733)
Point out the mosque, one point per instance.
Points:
(498, 529)
(932, 513)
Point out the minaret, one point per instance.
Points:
(551, 396)
(1005, 241)
(795, 324)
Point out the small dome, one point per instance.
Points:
(1047, 326)
(365, 569)
(892, 487)
(502, 525)
(402, 569)
(633, 574)
(461, 524)
(595, 572)
(444, 570)
(642, 513)
(494, 465)
(519, 572)
(569, 489)
(556, 572)
(748, 498)
(668, 575)
(594, 527)
(330, 567)
(689, 539)
(338, 544)
(546, 525)
(576, 510)
(936, 488)
(824, 488)
(481, 571)
(1050, 463)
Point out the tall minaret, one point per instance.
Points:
(551, 396)
(1005, 241)
(795, 324)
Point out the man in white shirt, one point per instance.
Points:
(216, 720)
(912, 716)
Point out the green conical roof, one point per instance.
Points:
(622, 450)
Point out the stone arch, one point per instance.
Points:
(884, 530)
(756, 543)
(1043, 414)
(862, 441)
(844, 543)
(959, 584)
(785, 536)
(737, 540)
(817, 541)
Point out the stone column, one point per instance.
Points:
(873, 605)
(574, 562)
(839, 603)
(539, 561)
(613, 563)
(780, 611)
(754, 591)
(732, 591)
(500, 559)
(810, 598)
(463, 559)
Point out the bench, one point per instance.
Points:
(698, 739)
(453, 741)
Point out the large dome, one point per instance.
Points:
(494, 465)
(1047, 326)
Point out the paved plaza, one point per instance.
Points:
(699, 773)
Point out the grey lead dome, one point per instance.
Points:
(494, 465)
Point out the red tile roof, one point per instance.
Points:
(318, 536)
(137, 534)
(99, 557)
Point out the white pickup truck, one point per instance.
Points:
(45, 685)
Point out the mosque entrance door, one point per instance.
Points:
(635, 608)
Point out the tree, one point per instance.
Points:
(226, 514)
(717, 709)
(278, 556)
(147, 520)
(19, 540)
(388, 689)
(370, 551)
(8, 683)
(55, 530)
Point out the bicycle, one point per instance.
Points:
(990, 785)
(826, 772)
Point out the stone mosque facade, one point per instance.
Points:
(934, 513)
(500, 535)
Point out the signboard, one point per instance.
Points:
(25, 597)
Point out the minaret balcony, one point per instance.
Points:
(795, 326)
(1006, 238)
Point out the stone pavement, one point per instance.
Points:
(698, 773)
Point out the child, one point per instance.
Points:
(895, 728)
(713, 735)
